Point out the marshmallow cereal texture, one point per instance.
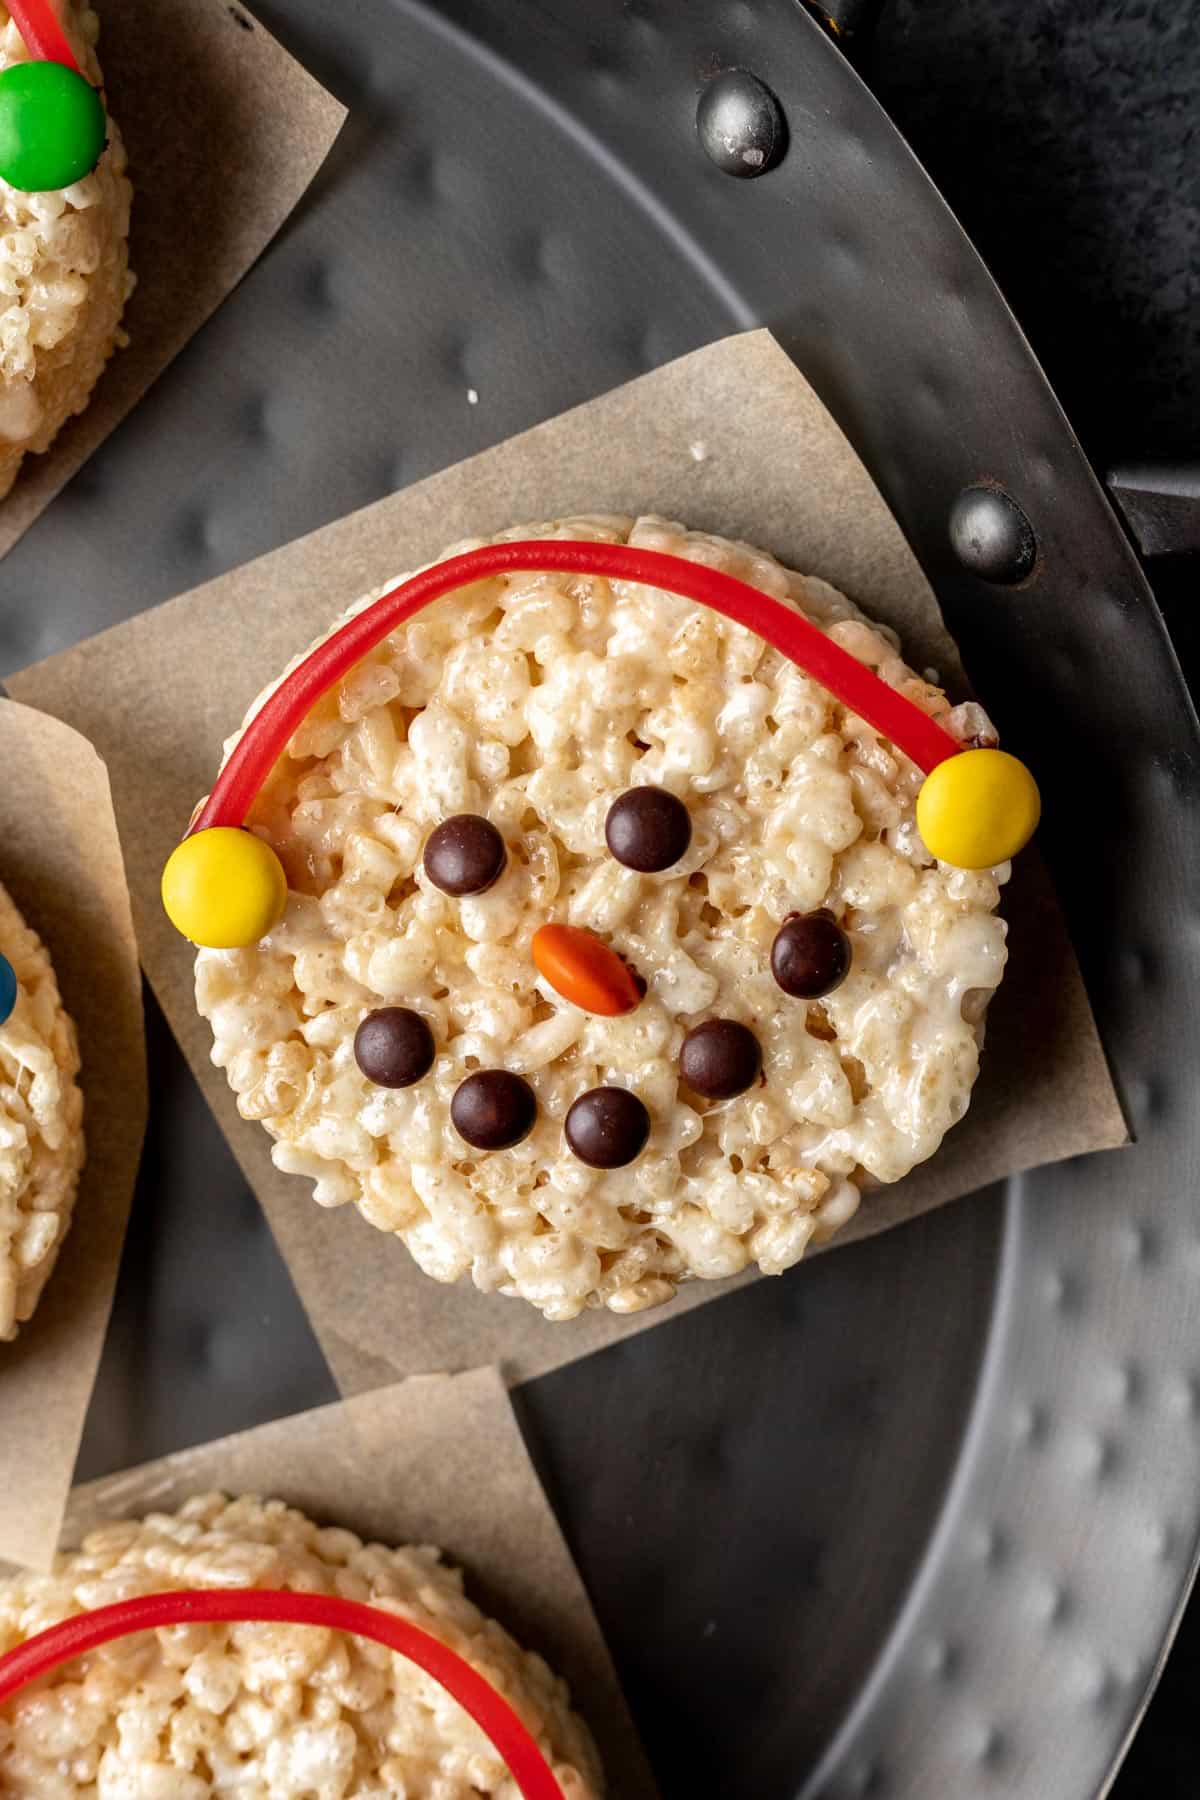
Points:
(536, 701)
(41, 1123)
(267, 1711)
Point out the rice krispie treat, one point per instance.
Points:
(64, 271)
(268, 1711)
(41, 1119)
(609, 953)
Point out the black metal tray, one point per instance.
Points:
(916, 1520)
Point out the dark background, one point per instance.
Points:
(1065, 136)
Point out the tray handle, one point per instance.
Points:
(1160, 504)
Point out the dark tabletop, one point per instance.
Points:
(1066, 136)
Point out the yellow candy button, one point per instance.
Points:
(978, 808)
(224, 888)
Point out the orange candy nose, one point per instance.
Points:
(581, 967)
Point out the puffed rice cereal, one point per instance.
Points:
(64, 277)
(537, 700)
(267, 1712)
(41, 1124)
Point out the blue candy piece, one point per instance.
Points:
(8, 988)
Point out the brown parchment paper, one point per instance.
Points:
(731, 438)
(61, 861)
(224, 132)
(435, 1460)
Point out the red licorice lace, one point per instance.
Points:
(43, 36)
(203, 1606)
(857, 687)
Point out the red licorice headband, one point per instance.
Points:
(266, 737)
(41, 32)
(61, 1643)
(226, 888)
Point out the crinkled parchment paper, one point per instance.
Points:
(61, 861)
(436, 1460)
(730, 438)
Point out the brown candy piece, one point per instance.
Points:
(648, 829)
(607, 1127)
(720, 1059)
(394, 1047)
(810, 955)
(493, 1109)
(464, 855)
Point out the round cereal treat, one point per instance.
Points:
(41, 1123)
(64, 276)
(787, 896)
(268, 1710)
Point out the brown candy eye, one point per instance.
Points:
(394, 1047)
(720, 1059)
(493, 1110)
(648, 829)
(464, 855)
(607, 1127)
(810, 955)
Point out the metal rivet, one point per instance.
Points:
(740, 124)
(991, 535)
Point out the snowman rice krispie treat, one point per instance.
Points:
(584, 939)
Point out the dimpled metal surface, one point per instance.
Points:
(915, 1520)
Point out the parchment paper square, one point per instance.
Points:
(429, 1461)
(732, 439)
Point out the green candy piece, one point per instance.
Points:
(52, 126)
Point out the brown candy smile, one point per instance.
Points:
(493, 1109)
(607, 1127)
(811, 955)
(394, 1047)
(720, 1059)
